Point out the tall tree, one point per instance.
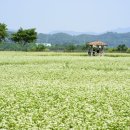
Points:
(24, 36)
(3, 31)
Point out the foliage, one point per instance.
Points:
(70, 48)
(57, 47)
(128, 50)
(19, 47)
(122, 48)
(111, 49)
(40, 47)
(60, 91)
(3, 31)
(24, 36)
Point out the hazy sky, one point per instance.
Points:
(66, 15)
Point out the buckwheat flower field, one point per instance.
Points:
(63, 91)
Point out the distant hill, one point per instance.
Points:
(113, 39)
(74, 33)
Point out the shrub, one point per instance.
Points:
(40, 47)
(128, 50)
(70, 48)
(122, 48)
(19, 47)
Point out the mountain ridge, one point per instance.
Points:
(112, 39)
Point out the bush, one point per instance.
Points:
(40, 47)
(111, 50)
(128, 50)
(19, 47)
(10, 47)
(70, 48)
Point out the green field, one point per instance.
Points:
(63, 91)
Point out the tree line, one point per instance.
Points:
(84, 47)
(23, 37)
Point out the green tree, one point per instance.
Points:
(24, 36)
(3, 31)
(122, 48)
(70, 47)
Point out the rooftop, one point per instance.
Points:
(97, 43)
